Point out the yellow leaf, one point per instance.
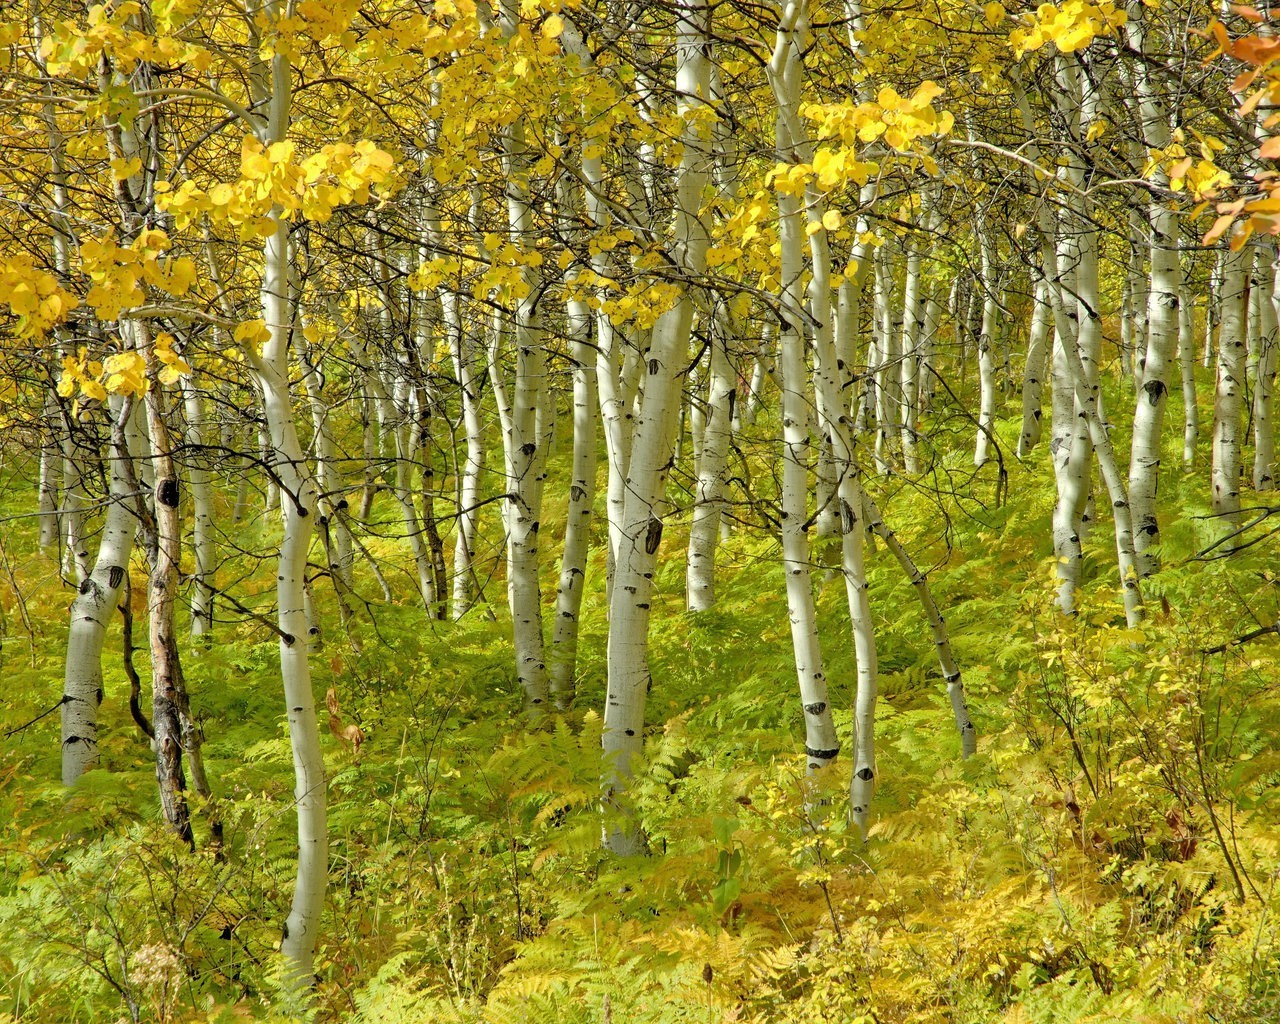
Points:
(832, 220)
(553, 26)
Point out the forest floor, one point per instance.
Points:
(1110, 853)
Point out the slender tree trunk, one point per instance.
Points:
(1162, 315)
(169, 695)
(909, 379)
(573, 566)
(1264, 447)
(786, 70)
(465, 357)
(712, 469)
(1187, 361)
(641, 524)
(50, 453)
(271, 370)
(1037, 366)
(1229, 397)
(937, 625)
(203, 516)
(986, 343)
(93, 607)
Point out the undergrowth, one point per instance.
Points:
(1110, 854)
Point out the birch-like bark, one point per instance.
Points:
(93, 607)
(169, 697)
(298, 507)
(1187, 362)
(786, 70)
(203, 515)
(525, 458)
(821, 742)
(713, 465)
(1229, 395)
(1162, 312)
(50, 455)
(641, 527)
(1036, 368)
(1133, 351)
(888, 350)
(1069, 445)
(1264, 371)
(582, 489)
(466, 353)
(986, 341)
(909, 370)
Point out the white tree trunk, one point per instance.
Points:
(582, 489)
(93, 607)
(1162, 315)
(986, 343)
(712, 469)
(937, 625)
(203, 517)
(1229, 397)
(298, 507)
(1187, 361)
(466, 354)
(909, 379)
(1036, 368)
(786, 69)
(641, 525)
(1264, 446)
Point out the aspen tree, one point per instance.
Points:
(1187, 364)
(573, 565)
(653, 435)
(909, 379)
(1264, 368)
(1036, 366)
(1229, 395)
(1162, 309)
(203, 516)
(298, 504)
(94, 606)
(713, 456)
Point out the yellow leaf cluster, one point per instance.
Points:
(1069, 26)
(899, 122)
(272, 179)
(81, 373)
(33, 296)
(118, 273)
(172, 365)
(123, 373)
(73, 49)
(1201, 177)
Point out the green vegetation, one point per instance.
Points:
(1110, 854)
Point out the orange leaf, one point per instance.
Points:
(1248, 13)
(1245, 79)
(1219, 226)
(1270, 150)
